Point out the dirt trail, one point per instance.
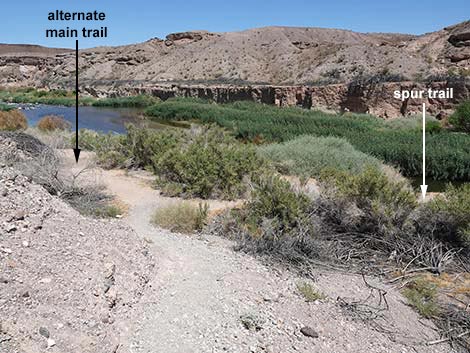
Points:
(202, 289)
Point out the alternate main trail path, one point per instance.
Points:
(203, 293)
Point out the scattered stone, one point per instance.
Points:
(309, 332)
(19, 216)
(3, 280)
(44, 332)
(11, 228)
(50, 343)
(26, 295)
(105, 318)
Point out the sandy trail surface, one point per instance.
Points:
(206, 297)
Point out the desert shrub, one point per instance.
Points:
(447, 157)
(309, 155)
(146, 146)
(447, 216)
(53, 123)
(461, 117)
(207, 163)
(422, 295)
(274, 221)
(91, 201)
(110, 148)
(13, 120)
(369, 186)
(274, 199)
(183, 217)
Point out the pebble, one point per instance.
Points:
(309, 332)
(50, 343)
(11, 228)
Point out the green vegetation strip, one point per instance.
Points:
(447, 152)
(67, 98)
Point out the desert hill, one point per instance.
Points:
(270, 55)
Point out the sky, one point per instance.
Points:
(132, 21)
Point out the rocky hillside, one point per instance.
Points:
(270, 55)
(67, 283)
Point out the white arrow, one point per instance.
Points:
(424, 187)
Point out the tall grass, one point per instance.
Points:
(447, 153)
(309, 156)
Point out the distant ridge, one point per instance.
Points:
(269, 55)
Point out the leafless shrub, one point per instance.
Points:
(41, 164)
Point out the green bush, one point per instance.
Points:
(461, 118)
(447, 157)
(110, 148)
(307, 156)
(449, 215)
(383, 204)
(208, 163)
(273, 199)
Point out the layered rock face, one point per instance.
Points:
(375, 99)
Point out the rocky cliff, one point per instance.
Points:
(376, 99)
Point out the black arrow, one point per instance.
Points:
(76, 150)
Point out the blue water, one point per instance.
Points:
(93, 118)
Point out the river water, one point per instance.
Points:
(99, 119)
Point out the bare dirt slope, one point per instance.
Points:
(270, 55)
(204, 293)
(68, 283)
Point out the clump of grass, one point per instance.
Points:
(422, 295)
(108, 211)
(308, 155)
(308, 292)
(51, 123)
(12, 120)
(182, 217)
